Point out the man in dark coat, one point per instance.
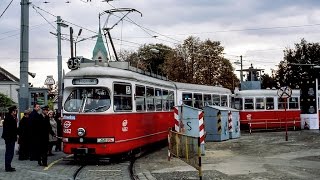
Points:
(9, 134)
(44, 128)
(34, 119)
(23, 132)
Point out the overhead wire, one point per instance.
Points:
(145, 29)
(44, 17)
(6, 8)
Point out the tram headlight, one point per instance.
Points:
(81, 132)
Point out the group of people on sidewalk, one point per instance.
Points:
(37, 133)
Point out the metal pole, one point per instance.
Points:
(24, 57)
(285, 117)
(241, 73)
(317, 100)
(59, 21)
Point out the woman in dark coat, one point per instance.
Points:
(9, 135)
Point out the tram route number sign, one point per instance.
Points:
(73, 63)
(284, 92)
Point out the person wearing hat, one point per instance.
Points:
(23, 132)
(44, 130)
(9, 134)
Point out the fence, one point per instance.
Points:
(186, 148)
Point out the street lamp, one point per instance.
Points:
(241, 72)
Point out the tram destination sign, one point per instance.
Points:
(86, 81)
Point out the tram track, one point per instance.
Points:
(119, 167)
(112, 169)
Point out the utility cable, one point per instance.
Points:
(5, 9)
(144, 28)
(44, 17)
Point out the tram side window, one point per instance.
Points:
(122, 97)
(238, 103)
(207, 99)
(293, 103)
(165, 101)
(158, 99)
(171, 99)
(260, 103)
(187, 99)
(248, 103)
(140, 98)
(150, 99)
(269, 103)
(224, 100)
(198, 103)
(216, 100)
(282, 104)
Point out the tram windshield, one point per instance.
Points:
(88, 100)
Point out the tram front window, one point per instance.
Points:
(88, 100)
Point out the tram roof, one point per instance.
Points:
(103, 71)
(195, 87)
(120, 73)
(263, 92)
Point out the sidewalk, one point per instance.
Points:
(261, 155)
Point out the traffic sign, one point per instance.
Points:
(284, 92)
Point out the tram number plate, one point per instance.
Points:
(81, 151)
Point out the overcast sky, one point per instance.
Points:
(259, 30)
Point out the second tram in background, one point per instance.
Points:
(263, 109)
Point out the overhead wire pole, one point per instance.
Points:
(24, 57)
(59, 59)
(241, 72)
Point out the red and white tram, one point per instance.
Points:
(263, 109)
(108, 111)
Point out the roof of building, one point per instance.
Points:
(100, 47)
(6, 76)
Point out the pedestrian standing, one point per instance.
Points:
(34, 124)
(52, 138)
(9, 134)
(23, 132)
(44, 131)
